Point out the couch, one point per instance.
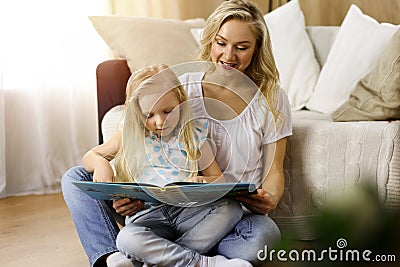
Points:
(323, 157)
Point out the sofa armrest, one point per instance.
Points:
(111, 77)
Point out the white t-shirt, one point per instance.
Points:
(166, 161)
(239, 141)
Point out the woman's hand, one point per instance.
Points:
(260, 203)
(127, 207)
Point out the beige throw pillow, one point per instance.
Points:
(377, 95)
(144, 41)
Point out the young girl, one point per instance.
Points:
(160, 143)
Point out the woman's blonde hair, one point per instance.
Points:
(130, 157)
(262, 69)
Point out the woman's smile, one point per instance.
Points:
(234, 45)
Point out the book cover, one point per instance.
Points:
(177, 194)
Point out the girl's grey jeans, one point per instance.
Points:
(97, 228)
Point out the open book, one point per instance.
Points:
(177, 194)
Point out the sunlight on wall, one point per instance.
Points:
(49, 52)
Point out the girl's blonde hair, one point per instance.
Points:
(262, 69)
(132, 153)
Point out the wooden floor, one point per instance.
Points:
(38, 231)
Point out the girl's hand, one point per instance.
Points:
(260, 203)
(103, 173)
(127, 207)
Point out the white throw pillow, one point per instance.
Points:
(144, 41)
(355, 51)
(196, 33)
(111, 122)
(293, 53)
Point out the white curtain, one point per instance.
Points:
(48, 56)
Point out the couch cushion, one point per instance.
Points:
(111, 122)
(356, 50)
(322, 38)
(377, 95)
(144, 41)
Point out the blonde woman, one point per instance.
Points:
(249, 118)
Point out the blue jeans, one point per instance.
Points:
(97, 229)
(176, 236)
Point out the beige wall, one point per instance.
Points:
(332, 12)
(174, 9)
(316, 12)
